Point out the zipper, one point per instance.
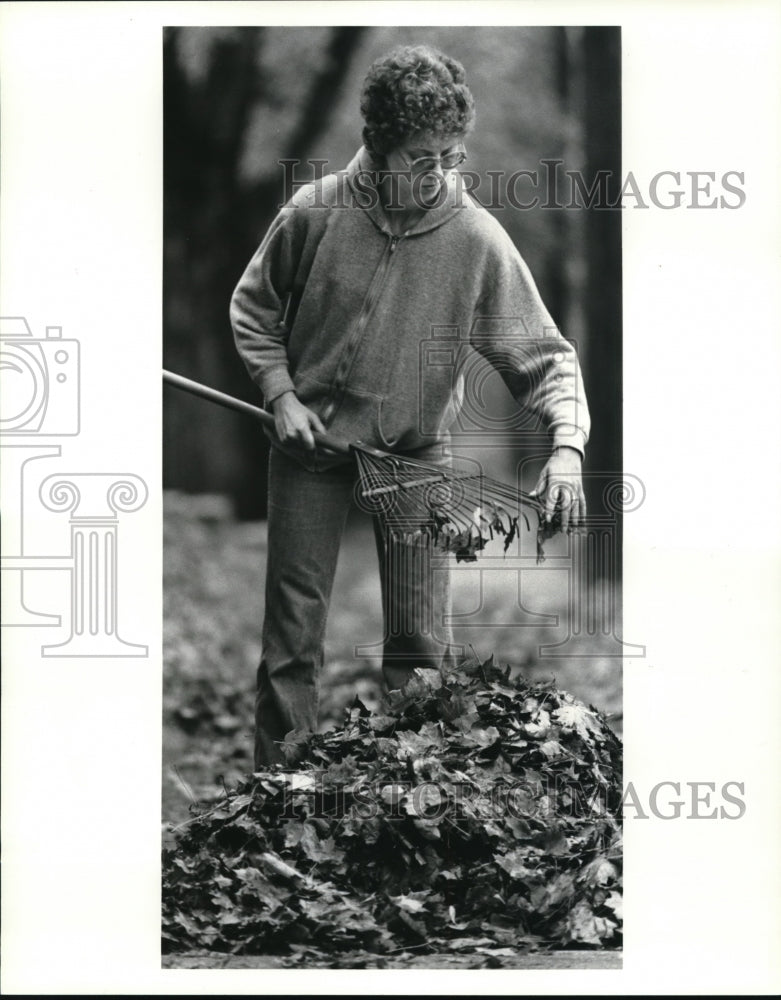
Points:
(368, 307)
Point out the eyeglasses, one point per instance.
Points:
(425, 163)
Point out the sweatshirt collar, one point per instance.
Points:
(362, 177)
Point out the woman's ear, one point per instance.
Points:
(367, 143)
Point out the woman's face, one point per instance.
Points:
(417, 169)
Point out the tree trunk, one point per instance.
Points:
(602, 75)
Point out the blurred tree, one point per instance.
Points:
(604, 304)
(214, 81)
(238, 100)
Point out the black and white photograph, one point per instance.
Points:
(393, 714)
(389, 575)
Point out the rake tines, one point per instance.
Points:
(459, 511)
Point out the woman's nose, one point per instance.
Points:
(434, 174)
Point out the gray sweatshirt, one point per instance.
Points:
(380, 334)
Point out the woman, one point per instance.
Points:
(331, 318)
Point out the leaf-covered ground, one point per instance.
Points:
(219, 822)
(478, 814)
(213, 611)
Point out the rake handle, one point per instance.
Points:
(223, 399)
(323, 440)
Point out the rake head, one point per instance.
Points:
(459, 512)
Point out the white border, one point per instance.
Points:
(80, 246)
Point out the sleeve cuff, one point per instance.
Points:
(569, 436)
(274, 382)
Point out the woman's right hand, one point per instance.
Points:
(295, 422)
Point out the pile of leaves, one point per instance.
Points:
(479, 813)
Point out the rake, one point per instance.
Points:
(459, 511)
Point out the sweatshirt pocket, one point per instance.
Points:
(388, 423)
(357, 418)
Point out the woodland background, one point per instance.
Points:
(237, 101)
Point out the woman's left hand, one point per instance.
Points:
(561, 486)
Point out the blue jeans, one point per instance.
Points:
(307, 512)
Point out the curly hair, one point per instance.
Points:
(412, 89)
